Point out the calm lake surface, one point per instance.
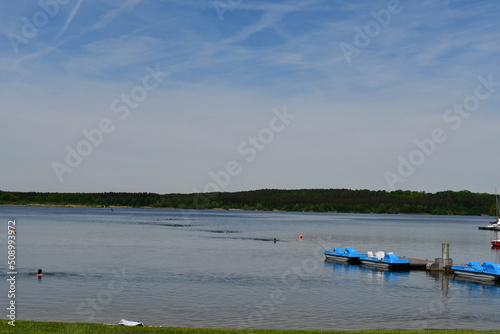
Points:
(222, 269)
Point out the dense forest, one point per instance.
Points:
(305, 200)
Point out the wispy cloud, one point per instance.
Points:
(69, 19)
(19, 62)
(272, 16)
(105, 19)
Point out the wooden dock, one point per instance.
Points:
(419, 264)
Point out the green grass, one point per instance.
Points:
(85, 328)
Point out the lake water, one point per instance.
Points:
(222, 269)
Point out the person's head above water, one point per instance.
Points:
(39, 272)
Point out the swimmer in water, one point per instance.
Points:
(40, 273)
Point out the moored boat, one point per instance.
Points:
(349, 255)
(496, 242)
(381, 260)
(494, 226)
(488, 271)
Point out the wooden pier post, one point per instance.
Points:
(444, 262)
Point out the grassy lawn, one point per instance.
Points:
(84, 328)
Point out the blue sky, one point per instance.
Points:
(335, 94)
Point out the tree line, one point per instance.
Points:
(301, 200)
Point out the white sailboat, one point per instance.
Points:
(495, 225)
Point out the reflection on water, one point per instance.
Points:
(338, 267)
(222, 269)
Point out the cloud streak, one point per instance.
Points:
(69, 19)
(105, 19)
(272, 16)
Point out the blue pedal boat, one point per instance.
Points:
(488, 271)
(348, 255)
(381, 260)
